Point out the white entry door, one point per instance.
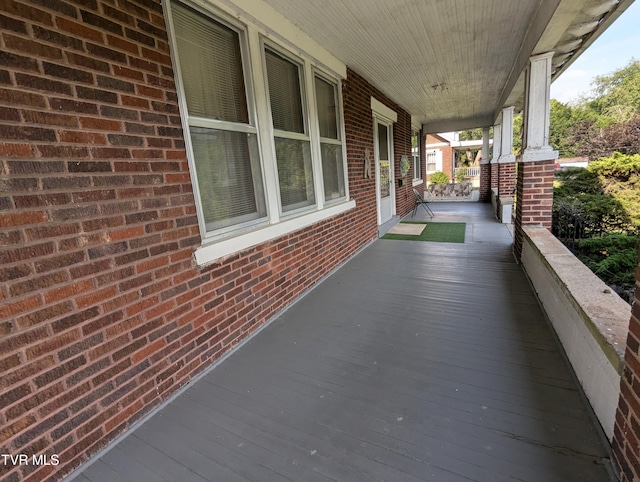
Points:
(384, 171)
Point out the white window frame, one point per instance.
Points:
(433, 152)
(415, 157)
(195, 121)
(306, 136)
(315, 128)
(253, 41)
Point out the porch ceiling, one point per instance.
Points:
(453, 64)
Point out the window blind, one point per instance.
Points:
(327, 108)
(227, 161)
(211, 66)
(284, 93)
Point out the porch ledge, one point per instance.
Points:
(590, 320)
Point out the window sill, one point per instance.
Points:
(212, 252)
(417, 182)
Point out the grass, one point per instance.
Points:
(435, 232)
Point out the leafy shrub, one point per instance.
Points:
(612, 258)
(460, 177)
(439, 177)
(604, 198)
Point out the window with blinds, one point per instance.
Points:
(330, 142)
(223, 139)
(431, 161)
(292, 143)
(230, 145)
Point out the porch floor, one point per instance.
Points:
(415, 361)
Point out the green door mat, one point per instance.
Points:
(435, 232)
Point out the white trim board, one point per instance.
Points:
(383, 111)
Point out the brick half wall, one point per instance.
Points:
(626, 446)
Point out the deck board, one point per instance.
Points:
(415, 361)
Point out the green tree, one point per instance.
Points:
(517, 135)
(615, 97)
(561, 128)
(471, 134)
(604, 121)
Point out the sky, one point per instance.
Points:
(611, 51)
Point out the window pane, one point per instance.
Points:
(211, 66)
(294, 173)
(229, 176)
(284, 93)
(415, 152)
(332, 171)
(431, 161)
(383, 142)
(327, 109)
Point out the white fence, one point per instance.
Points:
(468, 171)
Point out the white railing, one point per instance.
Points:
(468, 171)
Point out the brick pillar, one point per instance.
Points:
(534, 194)
(485, 182)
(485, 168)
(506, 187)
(626, 444)
(494, 176)
(534, 187)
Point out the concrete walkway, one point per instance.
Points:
(415, 361)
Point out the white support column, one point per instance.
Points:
(506, 168)
(537, 110)
(497, 142)
(537, 164)
(506, 150)
(493, 185)
(485, 146)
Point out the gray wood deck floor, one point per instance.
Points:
(415, 361)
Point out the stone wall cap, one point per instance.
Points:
(605, 313)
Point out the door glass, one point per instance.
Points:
(383, 153)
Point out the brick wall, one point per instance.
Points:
(534, 187)
(485, 182)
(448, 163)
(494, 175)
(506, 178)
(405, 199)
(626, 446)
(357, 93)
(103, 313)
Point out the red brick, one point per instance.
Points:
(79, 29)
(128, 73)
(21, 97)
(16, 427)
(122, 44)
(100, 124)
(96, 297)
(48, 118)
(45, 314)
(68, 291)
(15, 150)
(31, 47)
(134, 101)
(52, 344)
